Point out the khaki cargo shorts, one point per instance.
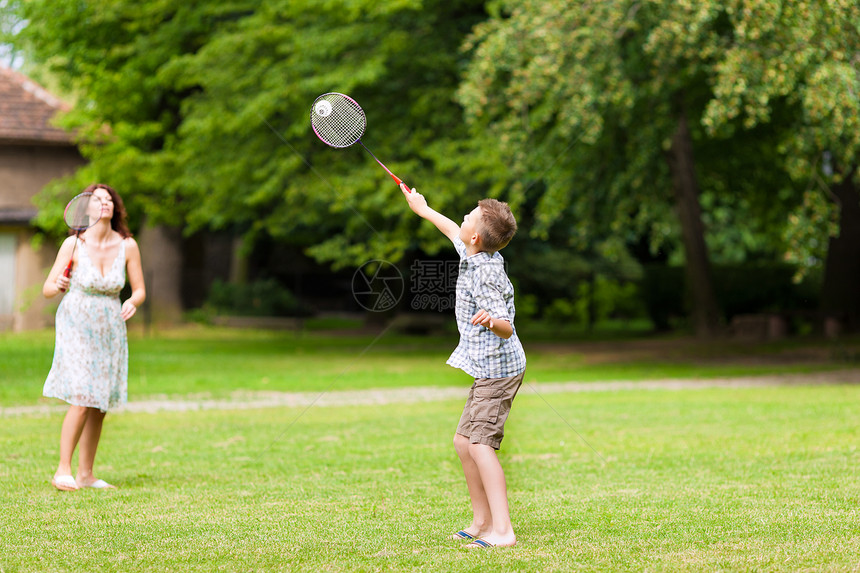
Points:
(487, 409)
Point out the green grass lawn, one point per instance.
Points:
(697, 480)
(216, 362)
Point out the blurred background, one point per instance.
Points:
(673, 166)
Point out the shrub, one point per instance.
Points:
(606, 298)
(260, 298)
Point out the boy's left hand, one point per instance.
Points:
(483, 318)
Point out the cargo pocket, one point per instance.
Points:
(486, 404)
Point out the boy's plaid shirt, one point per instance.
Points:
(483, 284)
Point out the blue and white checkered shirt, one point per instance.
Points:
(483, 284)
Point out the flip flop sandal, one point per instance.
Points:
(64, 483)
(100, 484)
(479, 544)
(462, 536)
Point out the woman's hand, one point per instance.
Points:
(128, 310)
(62, 283)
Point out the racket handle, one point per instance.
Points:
(387, 170)
(67, 273)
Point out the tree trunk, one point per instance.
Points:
(238, 262)
(840, 292)
(705, 314)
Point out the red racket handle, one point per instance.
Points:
(67, 273)
(387, 170)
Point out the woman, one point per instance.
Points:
(90, 368)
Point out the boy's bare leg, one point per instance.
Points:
(496, 491)
(482, 520)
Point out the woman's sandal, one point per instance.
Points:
(100, 484)
(64, 483)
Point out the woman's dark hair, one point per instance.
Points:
(118, 222)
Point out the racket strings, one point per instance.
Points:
(77, 214)
(343, 126)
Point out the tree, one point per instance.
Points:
(574, 82)
(621, 97)
(106, 56)
(9, 24)
(804, 56)
(201, 108)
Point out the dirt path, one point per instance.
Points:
(254, 400)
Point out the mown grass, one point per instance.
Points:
(693, 480)
(215, 362)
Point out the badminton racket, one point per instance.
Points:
(339, 122)
(81, 213)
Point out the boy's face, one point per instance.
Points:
(469, 228)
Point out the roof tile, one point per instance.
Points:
(26, 111)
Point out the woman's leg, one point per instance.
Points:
(73, 425)
(89, 443)
(70, 433)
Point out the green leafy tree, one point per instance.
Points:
(107, 56)
(628, 112)
(398, 59)
(572, 96)
(798, 64)
(201, 110)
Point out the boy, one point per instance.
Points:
(490, 352)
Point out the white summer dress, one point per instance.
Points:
(90, 365)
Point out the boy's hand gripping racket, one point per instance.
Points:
(82, 212)
(339, 121)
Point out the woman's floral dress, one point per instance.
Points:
(90, 365)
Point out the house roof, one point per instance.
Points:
(26, 111)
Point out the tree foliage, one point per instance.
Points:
(198, 113)
(580, 95)
(199, 110)
(587, 98)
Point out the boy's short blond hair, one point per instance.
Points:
(497, 226)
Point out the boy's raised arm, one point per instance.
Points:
(418, 204)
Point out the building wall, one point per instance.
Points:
(24, 171)
(32, 310)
